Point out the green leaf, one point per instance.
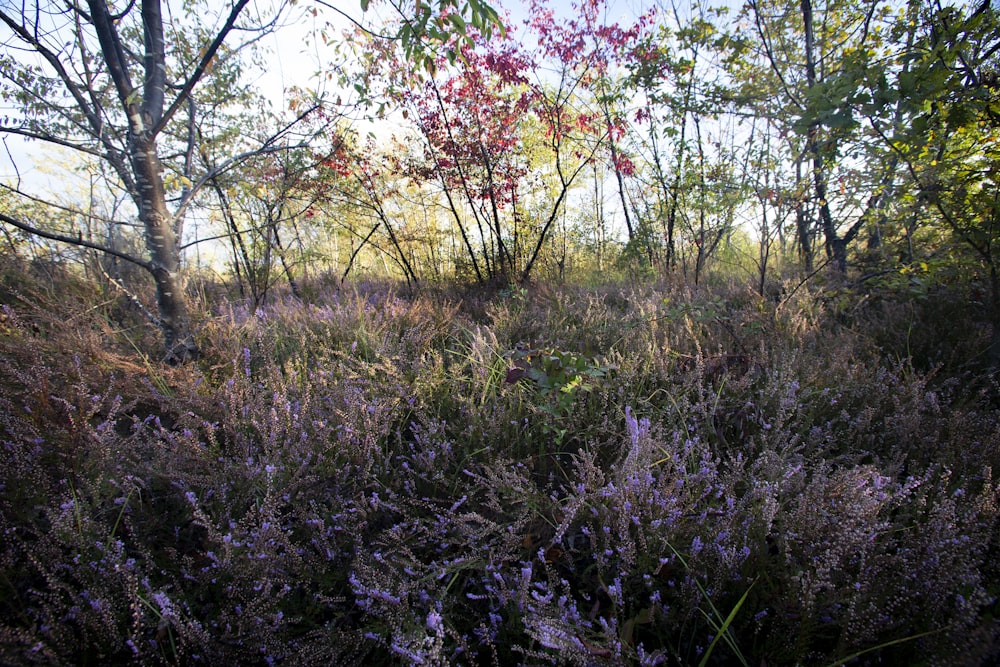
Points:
(840, 120)
(725, 626)
(458, 23)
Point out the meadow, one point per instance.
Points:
(628, 474)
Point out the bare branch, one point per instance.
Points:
(39, 200)
(267, 147)
(358, 25)
(92, 115)
(227, 235)
(29, 134)
(200, 70)
(17, 171)
(78, 241)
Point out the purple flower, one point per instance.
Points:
(696, 545)
(637, 428)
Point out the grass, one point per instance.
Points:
(616, 475)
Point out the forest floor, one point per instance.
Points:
(629, 474)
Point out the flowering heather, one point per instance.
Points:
(550, 477)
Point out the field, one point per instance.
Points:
(626, 474)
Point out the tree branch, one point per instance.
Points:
(92, 114)
(202, 67)
(114, 56)
(359, 26)
(267, 147)
(51, 140)
(153, 62)
(78, 241)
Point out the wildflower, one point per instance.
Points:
(696, 545)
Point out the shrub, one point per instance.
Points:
(553, 476)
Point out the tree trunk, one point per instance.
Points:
(803, 224)
(162, 245)
(836, 248)
(144, 113)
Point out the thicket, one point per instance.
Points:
(627, 474)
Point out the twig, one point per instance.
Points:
(133, 298)
(801, 283)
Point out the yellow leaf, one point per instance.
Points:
(210, 63)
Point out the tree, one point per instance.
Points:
(367, 187)
(102, 84)
(936, 107)
(666, 81)
(809, 48)
(119, 88)
(470, 122)
(692, 170)
(494, 143)
(596, 52)
(266, 205)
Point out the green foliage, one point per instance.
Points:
(558, 378)
(429, 28)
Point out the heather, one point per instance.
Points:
(621, 474)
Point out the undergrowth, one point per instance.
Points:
(619, 475)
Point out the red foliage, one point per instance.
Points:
(588, 42)
(595, 50)
(340, 163)
(471, 122)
